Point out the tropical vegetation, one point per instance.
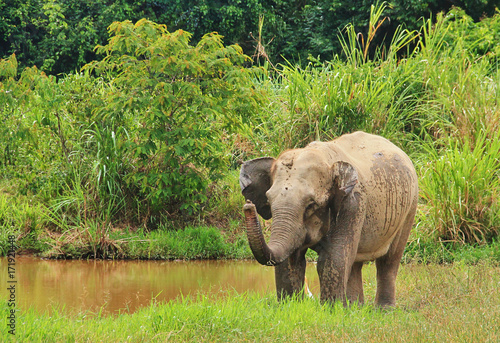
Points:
(60, 36)
(147, 137)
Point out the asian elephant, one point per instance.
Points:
(351, 200)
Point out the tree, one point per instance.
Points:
(185, 101)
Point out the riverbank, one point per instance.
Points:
(435, 303)
(220, 235)
(42, 232)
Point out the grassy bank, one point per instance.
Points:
(224, 239)
(101, 240)
(37, 232)
(456, 303)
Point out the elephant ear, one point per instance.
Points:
(345, 177)
(255, 180)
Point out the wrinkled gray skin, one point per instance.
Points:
(351, 200)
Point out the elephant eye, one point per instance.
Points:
(311, 206)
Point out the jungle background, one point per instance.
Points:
(124, 123)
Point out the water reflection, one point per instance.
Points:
(112, 286)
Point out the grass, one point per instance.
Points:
(200, 242)
(420, 249)
(451, 303)
(460, 189)
(19, 216)
(189, 243)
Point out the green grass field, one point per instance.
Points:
(436, 303)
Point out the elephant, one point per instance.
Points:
(351, 200)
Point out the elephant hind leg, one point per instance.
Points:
(388, 265)
(387, 270)
(355, 284)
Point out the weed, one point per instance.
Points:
(460, 187)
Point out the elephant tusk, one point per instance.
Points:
(306, 288)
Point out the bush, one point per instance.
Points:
(480, 38)
(461, 187)
(137, 144)
(185, 101)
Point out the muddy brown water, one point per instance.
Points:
(124, 286)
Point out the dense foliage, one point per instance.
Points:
(141, 138)
(59, 36)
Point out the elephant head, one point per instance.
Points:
(302, 191)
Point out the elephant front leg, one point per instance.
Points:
(338, 251)
(333, 274)
(290, 275)
(339, 276)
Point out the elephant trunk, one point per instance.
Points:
(258, 245)
(281, 245)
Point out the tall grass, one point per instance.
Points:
(374, 91)
(428, 94)
(323, 103)
(461, 189)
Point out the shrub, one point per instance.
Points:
(185, 101)
(138, 143)
(461, 187)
